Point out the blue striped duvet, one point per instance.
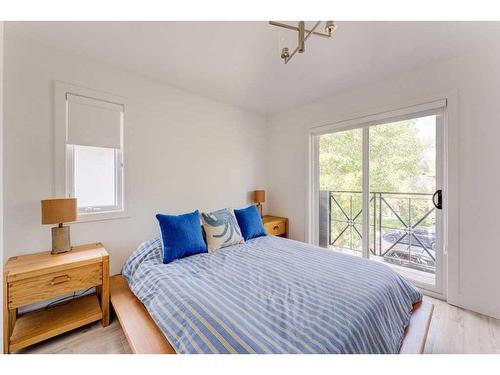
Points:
(272, 295)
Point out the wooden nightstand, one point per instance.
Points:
(36, 277)
(276, 226)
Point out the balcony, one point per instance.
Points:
(402, 229)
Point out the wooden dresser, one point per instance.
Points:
(37, 277)
(276, 226)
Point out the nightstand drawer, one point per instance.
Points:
(39, 288)
(275, 228)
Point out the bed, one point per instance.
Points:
(268, 295)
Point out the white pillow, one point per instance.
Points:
(221, 229)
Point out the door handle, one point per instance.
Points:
(437, 199)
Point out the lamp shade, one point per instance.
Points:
(56, 211)
(259, 196)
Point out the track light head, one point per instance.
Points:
(330, 27)
(285, 53)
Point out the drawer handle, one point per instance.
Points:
(276, 227)
(60, 279)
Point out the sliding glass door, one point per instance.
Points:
(379, 193)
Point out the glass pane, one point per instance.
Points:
(402, 181)
(340, 198)
(94, 176)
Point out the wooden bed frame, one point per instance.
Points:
(145, 337)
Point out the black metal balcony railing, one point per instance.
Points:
(402, 226)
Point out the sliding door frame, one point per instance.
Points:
(445, 142)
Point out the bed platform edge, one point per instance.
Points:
(142, 333)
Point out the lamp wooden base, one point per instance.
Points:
(60, 240)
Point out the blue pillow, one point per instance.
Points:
(181, 236)
(250, 222)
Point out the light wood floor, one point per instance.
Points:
(90, 339)
(453, 330)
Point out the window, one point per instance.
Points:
(94, 154)
(91, 165)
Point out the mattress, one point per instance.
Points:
(272, 295)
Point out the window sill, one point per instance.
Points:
(101, 216)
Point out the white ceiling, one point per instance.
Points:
(238, 62)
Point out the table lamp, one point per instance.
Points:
(59, 211)
(259, 197)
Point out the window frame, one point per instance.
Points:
(64, 153)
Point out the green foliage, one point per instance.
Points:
(340, 161)
(400, 160)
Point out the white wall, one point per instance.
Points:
(182, 151)
(1, 170)
(475, 82)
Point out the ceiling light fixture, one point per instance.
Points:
(303, 35)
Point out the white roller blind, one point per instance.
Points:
(93, 122)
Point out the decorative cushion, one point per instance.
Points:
(181, 236)
(221, 229)
(250, 222)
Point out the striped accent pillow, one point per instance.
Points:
(221, 229)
